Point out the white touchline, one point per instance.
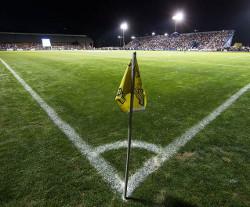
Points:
(94, 154)
(211, 64)
(215, 64)
(154, 163)
(105, 169)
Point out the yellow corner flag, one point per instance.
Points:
(124, 92)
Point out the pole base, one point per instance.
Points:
(125, 198)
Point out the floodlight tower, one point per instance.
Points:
(178, 17)
(124, 27)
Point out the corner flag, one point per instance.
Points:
(124, 92)
(131, 97)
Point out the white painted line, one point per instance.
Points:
(154, 163)
(174, 60)
(212, 64)
(239, 58)
(105, 169)
(124, 144)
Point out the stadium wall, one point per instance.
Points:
(34, 41)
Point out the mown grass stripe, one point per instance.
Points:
(106, 170)
(170, 150)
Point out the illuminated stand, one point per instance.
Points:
(46, 44)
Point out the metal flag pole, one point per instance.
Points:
(130, 123)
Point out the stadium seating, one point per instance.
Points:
(217, 40)
(33, 41)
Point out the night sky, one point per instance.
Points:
(101, 19)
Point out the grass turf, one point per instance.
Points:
(40, 167)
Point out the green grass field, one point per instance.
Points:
(39, 166)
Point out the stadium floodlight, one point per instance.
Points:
(132, 37)
(178, 17)
(153, 33)
(124, 27)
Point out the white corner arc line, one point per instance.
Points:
(93, 154)
(106, 170)
(124, 144)
(170, 150)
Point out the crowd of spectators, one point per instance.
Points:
(34, 41)
(19, 46)
(242, 49)
(38, 46)
(213, 41)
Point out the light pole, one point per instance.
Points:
(120, 42)
(124, 27)
(178, 17)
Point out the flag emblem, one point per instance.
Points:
(124, 92)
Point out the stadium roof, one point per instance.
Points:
(40, 34)
(11, 37)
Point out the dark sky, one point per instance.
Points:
(101, 19)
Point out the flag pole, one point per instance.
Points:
(130, 123)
